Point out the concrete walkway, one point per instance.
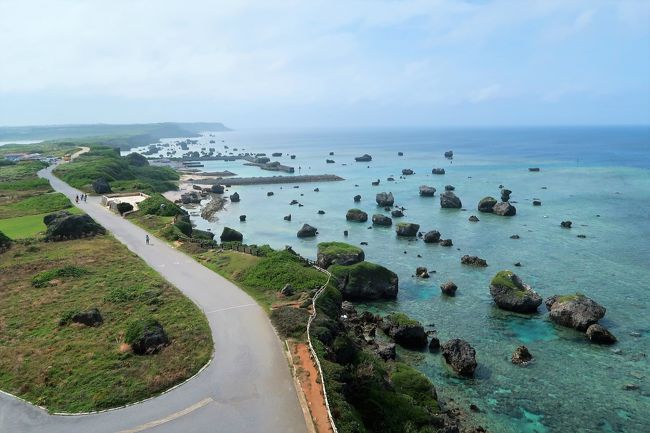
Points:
(246, 388)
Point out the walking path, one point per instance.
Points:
(246, 388)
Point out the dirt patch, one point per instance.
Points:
(310, 383)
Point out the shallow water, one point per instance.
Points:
(572, 386)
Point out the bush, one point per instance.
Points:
(282, 267)
(136, 329)
(185, 227)
(136, 159)
(202, 234)
(5, 241)
(159, 205)
(290, 322)
(41, 279)
(123, 208)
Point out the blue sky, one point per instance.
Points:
(255, 63)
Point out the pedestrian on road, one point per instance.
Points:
(146, 238)
(85, 198)
(76, 199)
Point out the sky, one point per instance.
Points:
(312, 63)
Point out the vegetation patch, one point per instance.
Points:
(120, 172)
(70, 271)
(28, 226)
(402, 320)
(504, 279)
(338, 248)
(80, 368)
(157, 204)
(44, 203)
(290, 322)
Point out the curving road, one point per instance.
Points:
(246, 388)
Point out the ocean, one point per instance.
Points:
(599, 178)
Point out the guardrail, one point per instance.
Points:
(311, 347)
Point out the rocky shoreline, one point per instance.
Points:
(268, 180)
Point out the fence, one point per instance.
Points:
(311, 346)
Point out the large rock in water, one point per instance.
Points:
(307, 231)
(356, 215)
(407, 229)
(473, 261)
(363, 158)
(365, 281)
(101, 186)
(510, 293)
(487, 204)
(62, 225)
(600, 335)
(217, 189)
(385, 199)
(146, 337)
(504, 209)
(234, 197)
(432, 237)
(381, 220)
(460, 356)
(427, 191)
(338, 253)
(231, 235)
(449, 200)
(405, 331)
(574, 311)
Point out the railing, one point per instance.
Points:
(311, 347)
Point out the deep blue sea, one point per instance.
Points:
(599, 178)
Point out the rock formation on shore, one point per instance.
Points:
(396, 213)
(234, 197)
(231, 235)
(62, 226)
(406, 332)
(510, 293)
(338, 253)
(101, 186)
(365, 281)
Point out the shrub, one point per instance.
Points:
(41, 279)
(136, 159)
(5, 241)
(185, 227)
(282, 267)
(136, 329)
(123, 208)
(290, 322)
(159, 205)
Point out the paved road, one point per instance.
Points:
(246, 388)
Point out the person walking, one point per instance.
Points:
(146, 238)
(85, 198)
(76, 199)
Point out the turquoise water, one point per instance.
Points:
(572, 386)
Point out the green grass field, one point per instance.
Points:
(76, 368)
(121, 173)
(39, 204)
(27, 226)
